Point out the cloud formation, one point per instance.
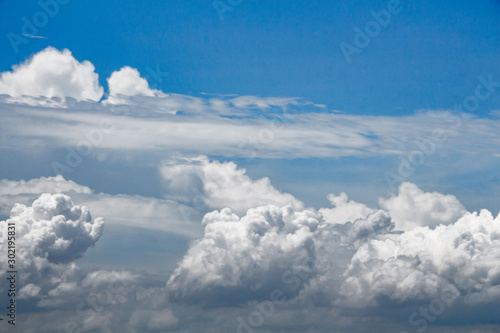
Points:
(459, 259)
(211, 185)
(132, 210)
(128, 82)
(51, 73)
(412, 207)
(245, 255)
(270, 247)
(53, 228)
(344, 210)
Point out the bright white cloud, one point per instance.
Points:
(51, 73)
(459, 259)
(247, 254)
(125, 83)
(50, 234)
(413, 207)
(200, 182)
(53, 228)
(245, 258)
(344, 210)
(40, 185)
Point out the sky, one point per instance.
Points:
(246, 166)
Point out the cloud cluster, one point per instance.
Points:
(268, 248)
(460, 259)
(50, 235)
(51, 73)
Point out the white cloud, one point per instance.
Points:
(458, 260)
(53, 228)
(345, 210)
(413, 207)
(246, 255)
(200, 182)
(125, 83)
(40, 185)
(51, 73)
(50, 234)
(26, 191)
(240, 259)
(154, 124)
(131, 210)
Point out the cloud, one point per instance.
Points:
(210, 185)
(127, 82)
(246, 255)
(131, 210)
(50, 234)
(457, 260)
(53, 228)
(241, 259)
(153, 124)
(51, 73)
(413, 207)
(41, 185)
(26, 191)
(345, 210)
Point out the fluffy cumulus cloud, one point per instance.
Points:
(52, 229)
(413, 207)
(128, 82)
(50, 234)
(344, 210)
(51, 74)
(215, 185)
(450, 261)
(245, 255)
(240, 259)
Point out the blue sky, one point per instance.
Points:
(237, 150)
(429, 56)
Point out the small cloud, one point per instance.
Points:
(32, 36)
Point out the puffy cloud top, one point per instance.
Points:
(218, 185)
(345, 210)
(246, 254)
(413, 207)
(127, 82)
(460, 259)
(53, 228)
(245, 258)
(51, 73)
